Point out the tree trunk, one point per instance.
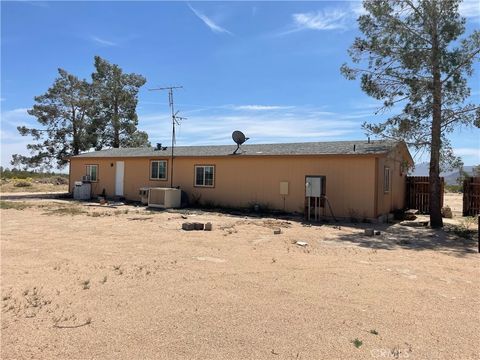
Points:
(436, 220)
(116, 126)
(76, 142)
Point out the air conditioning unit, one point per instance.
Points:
(86, 178)
(143, 192)
(164, 198)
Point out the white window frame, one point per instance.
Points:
(203, 182)
(151, 169)
(88, 172)
(386, 179)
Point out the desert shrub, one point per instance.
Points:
(22, 183)
(55, 180)
(453, 188)
(466, 228)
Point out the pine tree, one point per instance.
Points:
(411, 54)
(115, 118)
(63, 113)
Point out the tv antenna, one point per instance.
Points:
(239, 139)
(175, 120)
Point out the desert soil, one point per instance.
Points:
(125, 283)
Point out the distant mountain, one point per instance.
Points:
(450, 176)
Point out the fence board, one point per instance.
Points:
(418, 193)
(471, 196)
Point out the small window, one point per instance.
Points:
(386, 179)
(158, 170)
(92, 172)
(204, 175)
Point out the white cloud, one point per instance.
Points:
(321, 20)
(470, 9)
(473, 152)
(102, 42)
(260, 107)
(209, 22)
(300, 124)
(15, 117)
(357, 8)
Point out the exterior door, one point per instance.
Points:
(119, 174)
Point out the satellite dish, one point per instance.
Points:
(239, 139)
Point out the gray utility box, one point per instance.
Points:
(313, 186)
(82, 190)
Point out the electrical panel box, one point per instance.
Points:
(313, 186)
(283, 187)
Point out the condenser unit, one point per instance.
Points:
(164, 198)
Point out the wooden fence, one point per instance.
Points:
(418, 193)
(471, 196)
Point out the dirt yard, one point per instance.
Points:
(84, 282)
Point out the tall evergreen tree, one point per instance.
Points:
(410, 53)
(63, 113)
(115, 118)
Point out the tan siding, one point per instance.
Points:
(395, 199)
(241, 181)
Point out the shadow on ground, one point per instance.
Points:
(20, 196)
(398, 236)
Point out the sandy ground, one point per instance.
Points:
(112, 284)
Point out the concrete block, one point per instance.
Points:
(208, 226)
(198, 226)
(277, 231)
(188, 226)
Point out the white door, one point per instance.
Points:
(119, 172)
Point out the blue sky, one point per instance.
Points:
(270, 69)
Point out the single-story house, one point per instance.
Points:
(362, 179)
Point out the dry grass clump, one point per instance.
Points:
(66, 210)
(13, 205)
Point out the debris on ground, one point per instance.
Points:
(447, 212)
(410, 214)
(369, 232)
(277, 231)
(301, 243)
(414, 223)
(208, 226)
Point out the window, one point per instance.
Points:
(92, 172)
(158, 170)
(386, 179)
(204, 175)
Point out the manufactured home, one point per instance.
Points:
(362, 179)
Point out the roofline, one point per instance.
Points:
(231, 156)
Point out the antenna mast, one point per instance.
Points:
(175, 120)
